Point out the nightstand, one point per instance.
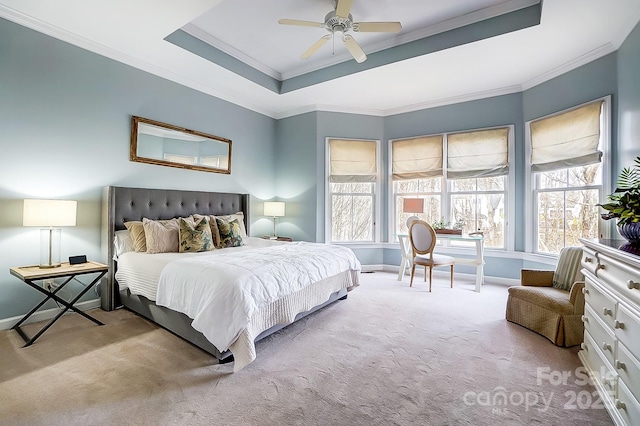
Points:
(30, 274)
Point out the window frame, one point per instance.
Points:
(531, 186)
(376, 195)
(446, 193)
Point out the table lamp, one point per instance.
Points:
(274, 209)
(50, 215)
(412, 205)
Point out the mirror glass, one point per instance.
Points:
(168, 145)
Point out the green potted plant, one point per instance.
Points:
(624, 203)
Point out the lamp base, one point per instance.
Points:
(49, 248)
(50, 266)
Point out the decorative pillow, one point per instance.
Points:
(240, 217)
(568, 269)
(161, 235)
(122, 243)
(136, 231)
(215, 234)
(195, 237)
(230, 233)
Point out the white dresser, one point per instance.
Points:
(611, 348)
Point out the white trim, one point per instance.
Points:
(569, 66)
(445, 274)
(377, 192)
(202, 35)
(530, 186)
(8, 323)
(428, 31)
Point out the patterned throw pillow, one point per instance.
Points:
(213, 224)
(195, 237)
(230, 233)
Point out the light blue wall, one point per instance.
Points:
(628, 72)
(65, 117)
(65, 120)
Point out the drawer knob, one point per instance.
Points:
(587, 260)
(584, 318)
(607, 311)
(585, 290)
(619, 325)
(601, 266)
(620, 405)
(620, 365)
(606, 346)
(633, 285)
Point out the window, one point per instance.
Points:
(566, 174)
(352, 188)
(462, 177)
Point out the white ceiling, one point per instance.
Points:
(571, 33)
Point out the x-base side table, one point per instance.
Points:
(30, 274)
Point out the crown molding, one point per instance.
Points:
(204, 36)
(102, 50)
(571, 65)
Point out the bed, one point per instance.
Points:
(264, 262)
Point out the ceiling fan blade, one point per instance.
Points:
(354, 48)
(301, 23)
(343, 8)
(317, 45)
(377, 27)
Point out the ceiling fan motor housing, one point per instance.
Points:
(337, 23)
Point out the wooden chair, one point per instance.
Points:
(423, 240)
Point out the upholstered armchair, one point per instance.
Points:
(551, 303)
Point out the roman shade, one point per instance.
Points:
(566, 140)
(352, 161)
(482, 153)
(417, 158)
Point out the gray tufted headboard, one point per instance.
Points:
(120, 204)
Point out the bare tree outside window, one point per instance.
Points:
(567, 208)
(352, 211)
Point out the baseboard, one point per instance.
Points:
(441, 273)
(7, 323)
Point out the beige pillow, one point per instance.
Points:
(240, 217)
(195, 237)
(161, 235)
(215, 234)
(136, 231)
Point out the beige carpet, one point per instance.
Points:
(388, 355)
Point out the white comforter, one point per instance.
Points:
(221, 292)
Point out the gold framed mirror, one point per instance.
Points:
(154, 142)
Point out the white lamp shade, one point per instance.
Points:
(274, 208)
(49, 213)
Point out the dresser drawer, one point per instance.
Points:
(626, 405)
(628, 368)
(598, 299)
(622, 278)
(601, 369)
(589, 260)
(627, 329)
(601, 333)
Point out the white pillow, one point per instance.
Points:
(161, 235)
(122, 243)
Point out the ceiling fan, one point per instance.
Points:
(339, 22)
